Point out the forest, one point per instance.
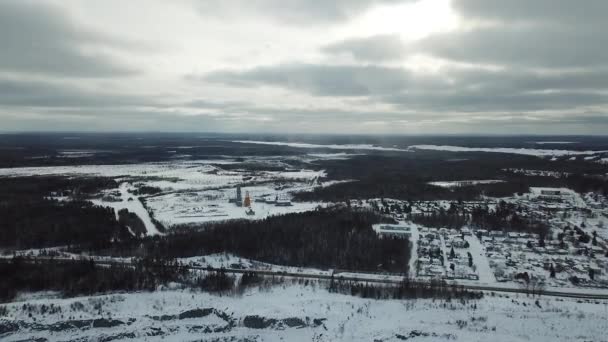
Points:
(74, 222)
(326, 238)
(406, 177)
(84, 277)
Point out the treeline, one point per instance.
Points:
(407, 289)
(325, 238)
(506, 216)
(84, 277)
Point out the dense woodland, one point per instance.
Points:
(29, 219)
(325, 238)
(406, 176)
(47, 223)
(84, 277)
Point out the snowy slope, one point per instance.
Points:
(303, 314)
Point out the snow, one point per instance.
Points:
(78, 153)
(524, 151)
(228, 260)
(345, 318)
(566, 194)
(331, 146)
(485, 272)
(134, 206)
(452, 184)
(179, 208)
(181, 169)
(194, 191)
(334, 156)
(415, 235)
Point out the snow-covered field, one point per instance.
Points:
(196, 191)
(181, 169)
(178, 208)
(300, 313)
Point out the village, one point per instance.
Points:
(573, 253)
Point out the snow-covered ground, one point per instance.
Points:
(565, 194)
(555, 142)
(197, 191)
(168, 169)
(486, 275)
(524, 151)
(227, 260)
(333, 156)
(301, 313)
(214, 204)
(131, 203)
(415, 235)
(452, 184)
(329, 146)
(179, 208)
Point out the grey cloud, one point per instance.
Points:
(43, 94)
(323, 80)
(294, 12)
(373, 49)
(533, 34)
(521, 80)
(450, 90)
(587, 12)
(482, 101)
(37, 37)
(93, 119)
(524, 46)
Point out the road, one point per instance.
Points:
(386, 279)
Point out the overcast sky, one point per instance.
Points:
(312, 66)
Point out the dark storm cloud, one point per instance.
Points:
(323, 80)
(294, 12)
(373, 49)
(36, 37)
